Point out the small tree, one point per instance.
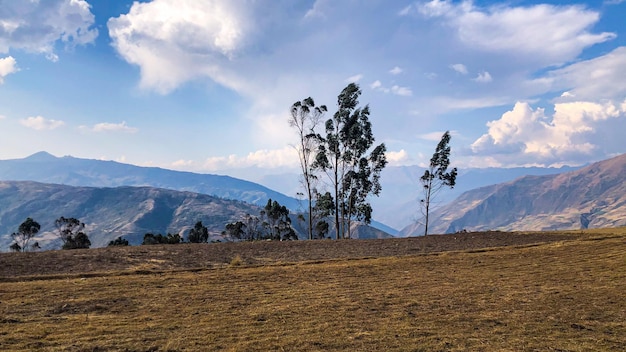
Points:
(25, 232)
(70, 231)
(305, 116)
(119, 242)
(235, 230)
(77, 242)
(199, 233)
(437, 176)
(279, 222)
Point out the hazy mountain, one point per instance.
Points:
(593, 196)
(46, 168)
(111, 212)
(398, 203)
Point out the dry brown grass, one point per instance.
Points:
(559, 296)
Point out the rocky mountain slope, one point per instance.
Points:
(112, 212)
(591, 197)
(46, 168)
(123, 211)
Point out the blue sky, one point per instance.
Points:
(206, 85)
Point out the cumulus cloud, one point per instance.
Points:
(396, 71)
(173, 41)
(483, 77)
(8, 65)
(576, 131)
(549, 34)
(395, 89)
(460, 68)
(35, 26)
(111, 127)
(40, 123)
(285, 157)
(397, 158)
(402, 91)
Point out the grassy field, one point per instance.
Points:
(565, 295)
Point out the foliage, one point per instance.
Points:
(278, 224)
(25, 233)
(235, 230)
(305, 116)
(437, 176)
(119, 242)
(351, 164)
(70, 231)
(77, 242)
(149, 239)
(272, 223)
(199, 234)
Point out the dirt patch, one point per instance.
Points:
(194, 256)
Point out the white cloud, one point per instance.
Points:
(376, 84)
(113, 127)
(397, 158)
(435, 136)
(173, 41)
(542, 33)
(354, 79)
(8, 65)
(285, 157)
(460, 68)
(396, 71)
(402, 91)
(576, 131)
(599, 78)
(35, 26)
(41, 123)
(395, 89)
(483, 77)
(2, 117)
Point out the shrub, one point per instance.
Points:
(119, 242)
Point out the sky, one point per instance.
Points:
(206, 85)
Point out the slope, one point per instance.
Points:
(591, 197)
(112, 212)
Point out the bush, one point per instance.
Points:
(119, 242)
(81, 240)
(150, 238)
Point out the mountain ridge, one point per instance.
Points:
(593, 196)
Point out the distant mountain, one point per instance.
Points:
(398, 203)
(591, 197)
(112, 212)
(44, 167)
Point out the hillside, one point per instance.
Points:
(111, 212)
(67, 170)
(468, 292)
(124, 211)
(46, 168)
(591, 197)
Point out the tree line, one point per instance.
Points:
(344, 152)
(71, 231)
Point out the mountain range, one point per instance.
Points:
(590, 197)
(129, 212)
(46, 168)
(398, 203)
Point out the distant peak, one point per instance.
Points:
(41, 156)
